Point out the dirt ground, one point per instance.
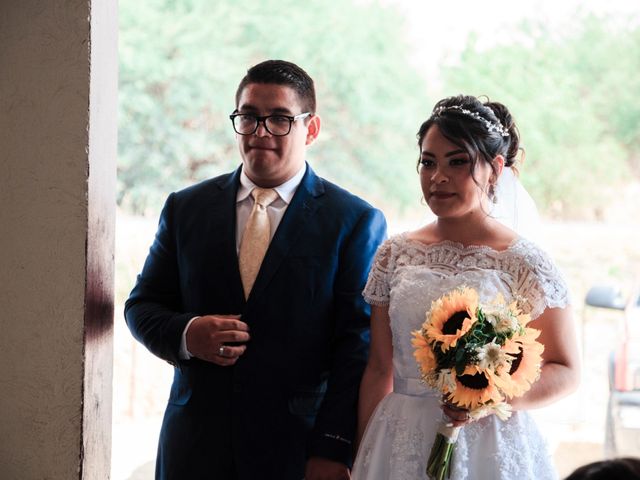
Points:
(587, 253)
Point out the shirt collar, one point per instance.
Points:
(285, 190)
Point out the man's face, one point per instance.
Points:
(272, 160)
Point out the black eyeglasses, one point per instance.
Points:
(276, 125)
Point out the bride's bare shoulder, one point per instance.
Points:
(503, 237)
(426, 235)
(498, 237)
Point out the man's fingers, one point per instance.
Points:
(217, 338)
(223, 361)
(232, 324)
(224, 355)
(232, 336)
(227, 351)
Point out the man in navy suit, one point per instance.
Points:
(266, 376)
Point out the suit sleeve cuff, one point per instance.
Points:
(184, 353)
(333, 447)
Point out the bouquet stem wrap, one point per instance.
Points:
(439, 463)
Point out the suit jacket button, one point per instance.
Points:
(237, 388)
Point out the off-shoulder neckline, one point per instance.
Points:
(461, 246)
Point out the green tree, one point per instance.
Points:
(574, 95)
(181, 62)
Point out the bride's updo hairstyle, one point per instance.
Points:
(483, 130)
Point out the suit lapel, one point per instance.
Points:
(222, 229)
(303, 206)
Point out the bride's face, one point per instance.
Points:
(451, 186)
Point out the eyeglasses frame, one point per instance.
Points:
(263, 119)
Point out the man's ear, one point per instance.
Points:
(313, 129)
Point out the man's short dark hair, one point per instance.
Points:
(281, 72)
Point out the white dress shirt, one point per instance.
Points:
(275, 211)
(244, 205)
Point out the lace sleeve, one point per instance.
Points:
(376, 292)
(540, 282)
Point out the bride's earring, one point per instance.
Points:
(492, 193)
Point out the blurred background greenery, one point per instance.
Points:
(567, 70)
(573, 89)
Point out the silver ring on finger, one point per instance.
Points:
(221, 351)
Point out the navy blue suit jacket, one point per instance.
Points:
(293, 393)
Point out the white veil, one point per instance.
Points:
(515, 208)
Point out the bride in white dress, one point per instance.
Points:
(464, 146)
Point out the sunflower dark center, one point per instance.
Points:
(454, 323)
(516, 362)
(477, 381)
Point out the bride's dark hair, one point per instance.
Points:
(483, 130)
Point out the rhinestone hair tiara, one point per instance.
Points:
(492, 127)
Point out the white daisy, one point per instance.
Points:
(506, 323)
(491, 356)
(501, 410)
(446, 380)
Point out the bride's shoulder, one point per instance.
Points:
(539, 276)
(425, 235)
(391, 245)
(502, 238)
(534, 256)
(400, 245)
(403, 238)
(528, 249)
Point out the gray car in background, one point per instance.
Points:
(622, 429)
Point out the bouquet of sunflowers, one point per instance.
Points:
(478, 356)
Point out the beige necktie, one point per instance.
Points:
(255, 239)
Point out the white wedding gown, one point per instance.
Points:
(408, 275)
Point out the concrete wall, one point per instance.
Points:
(57, 177)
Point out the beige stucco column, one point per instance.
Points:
(58, 94)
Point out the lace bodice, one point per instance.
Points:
(408, 275)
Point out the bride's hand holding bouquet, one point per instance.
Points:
(478, 356)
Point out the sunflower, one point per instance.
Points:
(526, 363)
(451, 316)
(474, 388)
(423, 353)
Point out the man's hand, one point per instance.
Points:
(207, 337)
(324, 469)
